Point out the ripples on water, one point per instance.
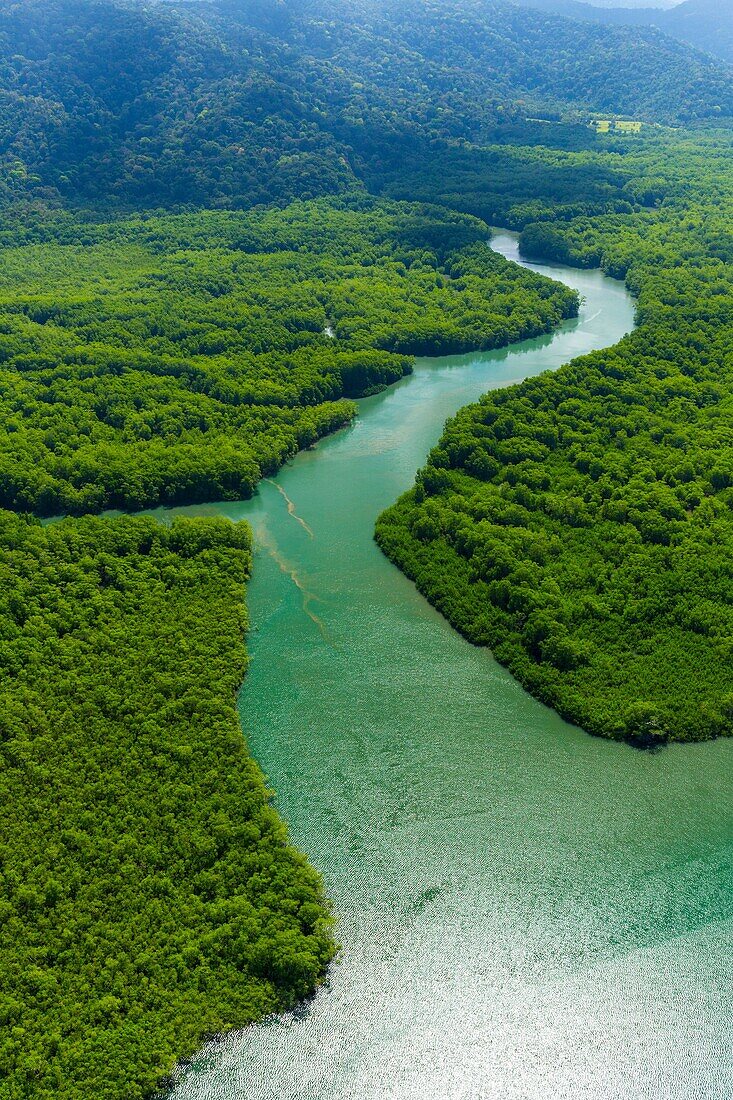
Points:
(526, 912)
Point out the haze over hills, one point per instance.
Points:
(248, 102)
(705, 24)
(663, 4)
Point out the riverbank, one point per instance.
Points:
(150, 897)
(516, 901)
(576, 523)
(236, 924)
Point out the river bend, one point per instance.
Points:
(525, 911)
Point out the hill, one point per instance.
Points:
(127, 106)
(705, 24)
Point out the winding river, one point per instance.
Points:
(525, 911)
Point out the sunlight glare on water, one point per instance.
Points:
(525, 911)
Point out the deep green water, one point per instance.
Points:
(525, 911)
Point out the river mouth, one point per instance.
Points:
(526, 911)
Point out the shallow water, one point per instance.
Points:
(525, 911)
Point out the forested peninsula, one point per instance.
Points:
(180, 359)
(149, 895)
(222, 223)
(580, 523)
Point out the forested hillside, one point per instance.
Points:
(234, 104)
(705, 24)
(472, 49)
(581, 523)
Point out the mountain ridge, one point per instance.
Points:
(705, 24)
(124, 105)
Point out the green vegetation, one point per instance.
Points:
(148, 895)
(581, 523)
(152, 351)
(705, 24)
(260, 101)
(181, 358)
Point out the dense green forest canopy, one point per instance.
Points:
(177, 359)
(581, 523)
(152, 350)
(647, 180)
(232, 104)
(148, 895)
(535, 58)
(706, 24)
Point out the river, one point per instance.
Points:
(525, 911)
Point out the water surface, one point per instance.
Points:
(525, 911)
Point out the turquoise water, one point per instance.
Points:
(525, 911)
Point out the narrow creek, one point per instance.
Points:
(525, 911)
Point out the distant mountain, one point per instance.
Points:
(634, 4)
(234, 103)
(705, 24)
